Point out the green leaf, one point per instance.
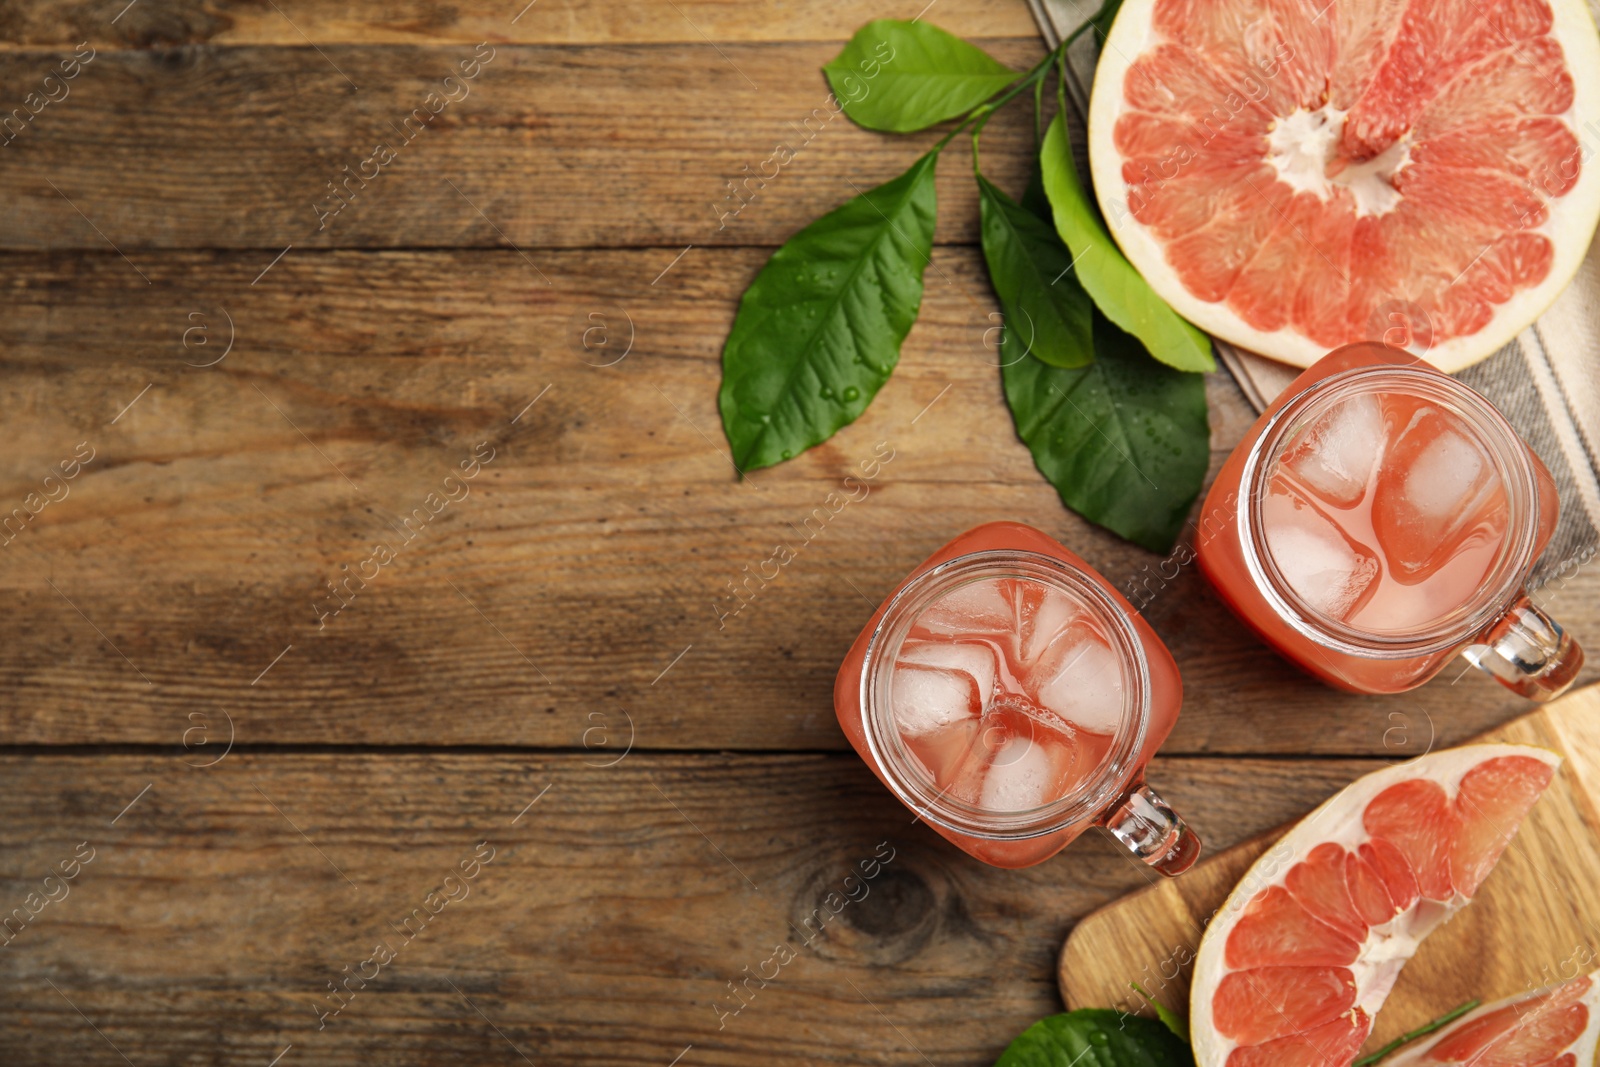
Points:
(903, 76)
(819, 330)
(1103, 19)
(1125, 440)
(1047, 312)
(1096, 1037)
(1169, 1018)
(1118, 289)
(1034, 198)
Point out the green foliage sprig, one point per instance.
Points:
(1101, 375)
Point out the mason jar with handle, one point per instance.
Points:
(1011, 698)
(1381, 518)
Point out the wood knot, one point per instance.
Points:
(875, 909)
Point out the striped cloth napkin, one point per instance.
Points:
(1546, 382)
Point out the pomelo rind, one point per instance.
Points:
(1338, 819)
(1584, 1045)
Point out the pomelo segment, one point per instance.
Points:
(1558, 1026)
(1294, 175)
(1294, 967)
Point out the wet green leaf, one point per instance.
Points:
(819, 330)
(903, 76)
(1046, 310)
(1096, 1037)
(1117, 288)
(1125, 440)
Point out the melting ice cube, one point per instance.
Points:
(1026, 773)
(974, 608)
(1053, 613)
(1435, 489)
(1081, 681)
(1330, 571)
(1335, 456)
(926, 699)
(976, 660)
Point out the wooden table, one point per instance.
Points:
(543, 665)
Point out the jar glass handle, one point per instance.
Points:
(1149, 828)
(1527, 652)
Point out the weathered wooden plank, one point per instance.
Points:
(547, 147)
(295, 22)
(600, 543)
(606, 928)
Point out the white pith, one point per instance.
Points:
(1569, 226)
(1583, 1048)
(1338, 820)
(1302, 144)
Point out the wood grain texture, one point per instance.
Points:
(1531, 923)
(598, 545)
(555, 146)
(293, 23)
(609, 923)
(510, 281)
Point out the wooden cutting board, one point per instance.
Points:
(1536, 918)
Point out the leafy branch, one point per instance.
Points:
(1100, 374)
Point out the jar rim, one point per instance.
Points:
(906, 778)
(1497, 439)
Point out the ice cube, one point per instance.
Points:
(944, 752)
(1054, 612)
(1026, 773)
(1081, 681)
(1435, 490)
(1330, 571)
(976, 660)
(1335, 456)
(926, 699)
(975, 608)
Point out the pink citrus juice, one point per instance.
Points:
(1385, 513)
(1016, 706)
(1383, 516)
(1007, 693)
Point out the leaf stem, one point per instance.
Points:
(1031, 78)
(1038, 114)
(1168, 1017)
(1448, 1017)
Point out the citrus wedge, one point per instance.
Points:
(1294, 175)
(1557, 1026)
(1293, 968)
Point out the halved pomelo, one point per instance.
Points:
(1294, 966)
(1294, 175)
(1557, 1026)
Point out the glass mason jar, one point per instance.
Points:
(1481, 611)
(1106, 786)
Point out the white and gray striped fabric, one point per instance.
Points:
(1546, 382)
